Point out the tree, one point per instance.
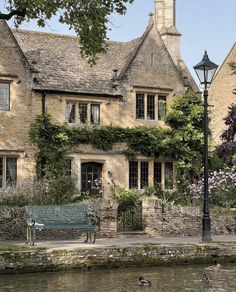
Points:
(89, 18)
(227, 150)
(185, 118)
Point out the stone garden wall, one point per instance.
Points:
(160, 220)
(171, 220)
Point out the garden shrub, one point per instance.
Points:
(222, 188)
(46, 191)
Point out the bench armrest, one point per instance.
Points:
(30, 222)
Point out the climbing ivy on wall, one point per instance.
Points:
(182, 140)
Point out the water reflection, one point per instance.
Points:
(168, 279)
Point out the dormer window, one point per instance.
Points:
(4, 96)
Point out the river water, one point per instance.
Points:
(166, 279)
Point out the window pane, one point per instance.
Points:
(1, 172)
(157, 173)
(95, 114)
(11, 169)
(133, 174)
(83, 116)
(161, 107)
(169, 175)
(4, 96)
(151, 107)
(70, 112)
(139, 106)
(91, 178)
(144, 174)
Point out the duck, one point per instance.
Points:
(143, 282)
(205, 279)
(214, 268)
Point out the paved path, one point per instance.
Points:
(125, 242)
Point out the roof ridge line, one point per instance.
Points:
(224, 61)
(17, 30)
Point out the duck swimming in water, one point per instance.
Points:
(143, 282)
(205, 279)
(215, 268)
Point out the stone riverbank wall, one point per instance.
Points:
(159, 220)
(94, 257)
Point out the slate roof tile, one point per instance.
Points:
(58, 65)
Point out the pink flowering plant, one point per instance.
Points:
(222, 188)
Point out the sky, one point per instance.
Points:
(204, 24)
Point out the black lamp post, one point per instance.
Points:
(205, 71)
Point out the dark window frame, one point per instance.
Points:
(162, 101)
(144, 174)
(8, 179)
(83, 112)
(91, 113)
(71, 119)
(8, 97)
(151, 107)
(91, 171)
(140, 106)
(133, 174)
(169, 181)
(157, 173)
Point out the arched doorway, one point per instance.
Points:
(91, 178)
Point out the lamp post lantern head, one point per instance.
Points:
(205, 70)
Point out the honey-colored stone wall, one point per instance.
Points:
(221, 96)
(14, 124)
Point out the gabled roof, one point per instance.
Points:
(226, 60)
(58, 65)
(3, 23)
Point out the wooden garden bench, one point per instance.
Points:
(72, 216)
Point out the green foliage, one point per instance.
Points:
(133, 196)
(54, 141)
(215, 162)
(128, 197)
(169, 197)
(46, 191)
(53, 144)
(88, 18)
(224, 199)
(185, 118)
(227, 150)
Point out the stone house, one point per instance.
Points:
(222, 95)
(131, 85)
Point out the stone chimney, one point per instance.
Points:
(165, 20)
